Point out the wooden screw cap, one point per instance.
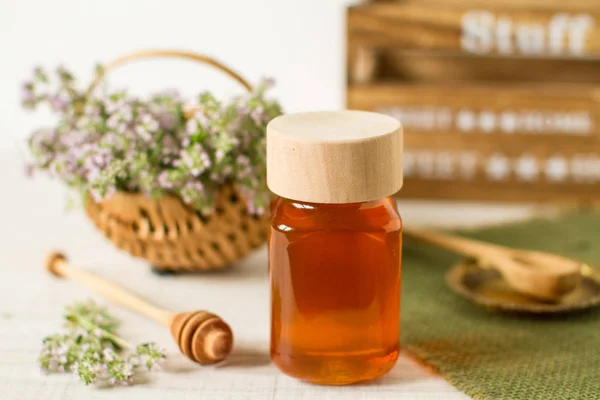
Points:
(334, 156)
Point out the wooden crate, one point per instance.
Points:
(520, 127)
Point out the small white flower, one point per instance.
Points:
(128, 369)
(150, 123)
(113, 121)
(89, 108)
(191, 126)
(108, 354)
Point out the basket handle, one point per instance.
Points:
(145, 54)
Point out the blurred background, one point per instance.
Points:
(298, 43)
(497, 98)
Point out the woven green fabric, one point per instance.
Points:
(491, 355)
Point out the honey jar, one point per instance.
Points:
(334, 244)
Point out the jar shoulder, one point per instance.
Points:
(378, 215)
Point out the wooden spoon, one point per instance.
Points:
(201, 336)
(543, 276)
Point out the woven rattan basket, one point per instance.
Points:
(166, 232)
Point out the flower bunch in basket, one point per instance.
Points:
(105, 141)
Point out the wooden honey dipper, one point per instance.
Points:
(201, 336)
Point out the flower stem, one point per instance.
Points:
(90, 326)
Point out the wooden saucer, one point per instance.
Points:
(486, 287)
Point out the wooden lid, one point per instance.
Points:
(334, 156)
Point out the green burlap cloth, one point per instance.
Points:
(498, 356)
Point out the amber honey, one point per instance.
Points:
(335, 280)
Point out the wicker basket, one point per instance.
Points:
(168, 233)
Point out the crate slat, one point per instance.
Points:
(401, 66)
(491, 30)
(571, 5)
(513, 113)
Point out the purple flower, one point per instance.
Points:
(215, 177)
(243, 160)
(242, 109)
(29, 170)
(90, 109)
(117, 141)
(187, 159)
(149, 122)
(27, 94)
(113, 106)
(60, 101)
(113, 121)
(143, 133)
(191, 126)
(169, 145)
(268, 83)
(257, 115)
(205, 159)
(109, 354)
(163, 181)
(167, 121)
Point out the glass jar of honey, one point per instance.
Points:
(334, 245)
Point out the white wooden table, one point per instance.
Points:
(34, 221)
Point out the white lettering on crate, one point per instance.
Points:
(564, 34)
(525, 122)
(466, 165)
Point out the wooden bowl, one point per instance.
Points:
(485, 287)
(174, 237)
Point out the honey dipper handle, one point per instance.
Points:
(466, 247)
(58, 265)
